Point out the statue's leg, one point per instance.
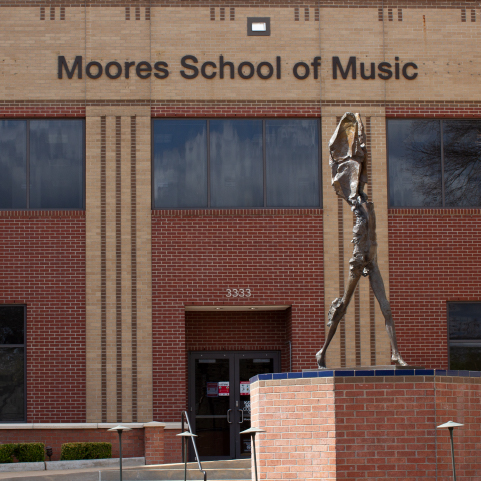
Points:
(336, 313)
(377, 285)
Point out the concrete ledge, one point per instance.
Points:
(74, 425)
(92, 463)
(12, 467)
(173, 426)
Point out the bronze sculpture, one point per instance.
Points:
(347, 160)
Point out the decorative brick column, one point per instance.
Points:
(367, 424)
(154, 442)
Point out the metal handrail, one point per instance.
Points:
(184, 413)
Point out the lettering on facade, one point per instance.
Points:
(192, 68)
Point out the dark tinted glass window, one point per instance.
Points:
(414, 148)
(236, 167)
(465, 335)
(222, 163)
(462, 162)
(434, 163)
(56, 164)
(42, 164)
(292, 163)
(12, 363)
(13, 164)
(180, 163)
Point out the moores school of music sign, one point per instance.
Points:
(191, 68)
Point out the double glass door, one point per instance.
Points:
(219, 399)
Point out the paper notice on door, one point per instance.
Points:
(212, 389)
(245, 388)
(223, 388)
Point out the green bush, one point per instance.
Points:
(24, 452)
(29, 452)
(6, 453)
(75, 451)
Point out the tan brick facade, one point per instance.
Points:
(443, 42)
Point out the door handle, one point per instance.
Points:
(242, 416)
(228, 416)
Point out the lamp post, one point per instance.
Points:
(120, 429)
(185, 438)
(451, 425)
(253, 431)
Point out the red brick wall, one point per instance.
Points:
(236, 331)
(42, 255)
(433, 259)
(460, 403)
(197, 255)
(385, 430)
(132, 441)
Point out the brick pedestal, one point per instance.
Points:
(367, 425)
(154, 443)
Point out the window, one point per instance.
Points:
(12, 363)
(465, 336)
(228, 163)
(434, 163)
(42, 164)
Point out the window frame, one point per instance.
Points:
(27, 177)
(264, 162)
(441, 133)
(24, 345)
(459, 343)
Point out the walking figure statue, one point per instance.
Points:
(347, 159)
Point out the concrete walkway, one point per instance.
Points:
(238, 470)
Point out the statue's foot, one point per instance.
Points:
(396, 357)
(321, 360)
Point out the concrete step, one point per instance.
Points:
(230, 470)
(238, 469)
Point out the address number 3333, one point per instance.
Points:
(238, 293)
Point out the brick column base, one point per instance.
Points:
(154, 443)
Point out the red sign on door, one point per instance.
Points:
(223, 388)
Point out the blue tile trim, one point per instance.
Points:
(452, 373)
(254, 379)
(404, 372)
(424, 372)
(474, 374)
(364, 373)
(265, 377)
(385, 372)
(463, 373)
(309, 374)
(441, 372)
(344, 373)
(294, 375)
(279, 375)
(325, 373)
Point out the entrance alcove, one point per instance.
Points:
(225, 348)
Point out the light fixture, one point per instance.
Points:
(450, 425)
(258, 26)
(119, 429)
(185, 439)
(253, 431)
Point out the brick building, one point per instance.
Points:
(168, 227)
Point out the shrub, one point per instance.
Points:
(24, 452)
(6, 453)
(29, 452)
(75, 451)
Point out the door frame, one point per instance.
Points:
(233, 356)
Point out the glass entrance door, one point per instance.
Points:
(219, 399)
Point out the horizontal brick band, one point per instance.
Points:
(437, 4)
